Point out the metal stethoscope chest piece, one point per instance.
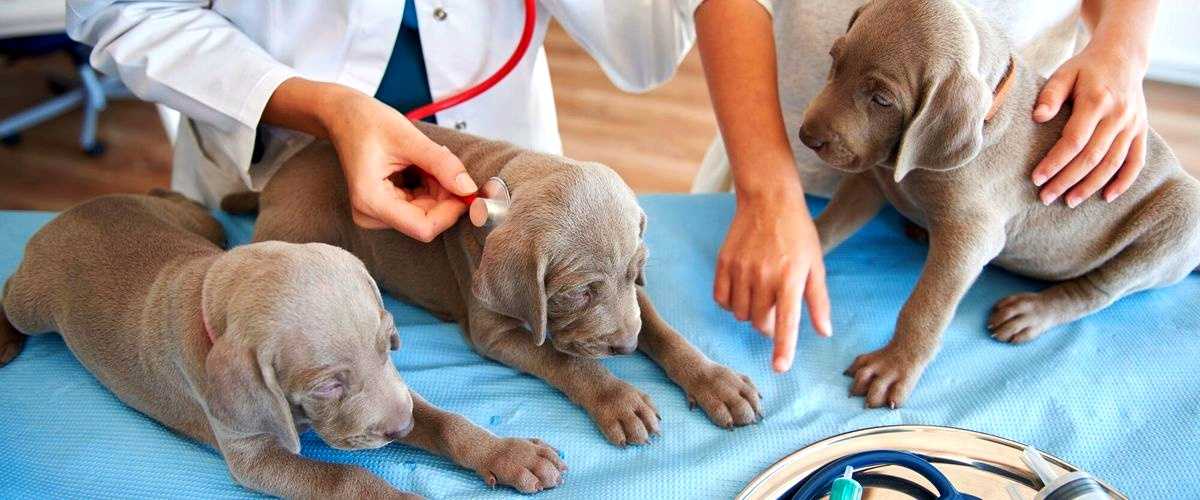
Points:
(490, 208)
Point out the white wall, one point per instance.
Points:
(1175, 46)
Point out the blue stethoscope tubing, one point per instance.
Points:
(818, 483)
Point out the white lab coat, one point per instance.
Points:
(219, 61)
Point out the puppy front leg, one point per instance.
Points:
(260, 464)
(957, 254)
(624, 414)
(856, 200)
(529, 465)
(727, 397)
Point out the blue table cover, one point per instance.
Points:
(1115, 393)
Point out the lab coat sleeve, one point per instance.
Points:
(183, 55)
(638, 44)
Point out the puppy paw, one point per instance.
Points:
(885, 377)
(728, 397)
(1020, 318)
(528, 465)
(624, 414)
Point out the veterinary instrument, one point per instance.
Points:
(925, 462)
(518, 53)
(489, 207)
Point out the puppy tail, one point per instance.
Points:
(240, 203)
(11, 340)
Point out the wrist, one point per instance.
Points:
(1130, 48)
(335, 106)
(773, 193)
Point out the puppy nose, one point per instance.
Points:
(400, 430)
(811, 139)
(622, 349)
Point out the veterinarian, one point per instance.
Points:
(771, 255)
(256, 80)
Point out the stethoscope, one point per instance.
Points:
(841, 478)
(489, 206)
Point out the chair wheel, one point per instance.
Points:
(96, 149)
(11, 140)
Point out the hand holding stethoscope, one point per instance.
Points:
(376, 144)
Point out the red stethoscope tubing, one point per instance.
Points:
(518, 53)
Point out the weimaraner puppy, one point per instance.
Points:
(928, 107)
(566, 265)
(242, 349)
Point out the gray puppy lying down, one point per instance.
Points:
(566, 265)
(928, 108)
(241, 349)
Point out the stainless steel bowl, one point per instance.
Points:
(976, 463)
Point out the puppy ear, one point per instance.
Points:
(641, 275)
(243, 395)
(389, 328)
(854, 17)
(511, 279)
(946, 130)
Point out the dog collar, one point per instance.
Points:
(1001, 91)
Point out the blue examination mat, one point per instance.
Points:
(1115, 393)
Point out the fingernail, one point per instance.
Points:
(1039, 179)
(465, 183)
(1073, 201)
(826, 329)
(1041, 110)
(780, 365)
(1048, 198)
(1110, 196)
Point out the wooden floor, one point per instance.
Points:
(655, 140)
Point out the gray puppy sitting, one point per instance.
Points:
(242, 349)
(566, 265)
(928, 108)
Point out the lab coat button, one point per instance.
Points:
(439, 14)
(460, 125)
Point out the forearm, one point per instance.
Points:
(306, 105)
(737, 48)
(1124, 25)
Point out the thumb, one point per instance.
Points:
(1054, 94)
(439, 162)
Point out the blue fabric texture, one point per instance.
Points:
(1114, 393)
(405, 82)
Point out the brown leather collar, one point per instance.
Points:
(1001, 91)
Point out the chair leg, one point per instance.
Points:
(95, 102)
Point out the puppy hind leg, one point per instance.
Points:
(1144, 264)
(1022, 317)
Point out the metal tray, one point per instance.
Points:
(977, 463)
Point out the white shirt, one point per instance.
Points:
(1045, 32)
(219, 61)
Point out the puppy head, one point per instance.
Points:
(567, 261)
(909, 87)
(301, 338)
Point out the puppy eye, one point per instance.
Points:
(881, 100)
(578, 294)
(328, 389)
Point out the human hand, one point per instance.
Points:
(375, 142)
(1103, 144)
(771, 259)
